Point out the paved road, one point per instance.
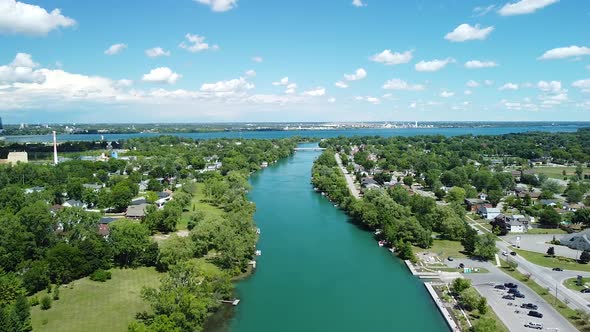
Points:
(540, 243)
(514, 321)
(349, 180)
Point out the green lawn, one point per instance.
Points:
(546, 231)
(444, 249)
(571, 284)
(557, 172)
(551, 262)
(570, 314)
(97, 306)
(199, 204)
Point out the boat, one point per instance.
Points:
(378, 231)
(381, 243)
(257, 230)
(391, 250)
(258, 252)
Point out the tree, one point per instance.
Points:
(549, 217)
(460, 284)
(579, 171)
(456, 194)
(469, 298)
(551, 251)
(121, 195)
(469, 240)
(482, 305)
(485, 247)
(154, 185)
(512, 264)
(574, 195)
(582, 216)
(19, 316)
(405, 252)
(494, 196)
(585, 257)
(408, 180)
(129, 241)
(485, 325)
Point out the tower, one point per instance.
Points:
(1, 127)
(54, 148)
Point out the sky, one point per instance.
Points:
(285, 61)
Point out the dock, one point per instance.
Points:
(439, 304)
(234, 302)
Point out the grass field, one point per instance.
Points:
(546, 231)
(551, 262)
(97, 306)
(557, 172)
(444, 249)
(567, 312)
(199, 205)
(571, 284)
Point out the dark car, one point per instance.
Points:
(461, 265)
(529, 306)
(511, 285)
(585, 290)
(500, 287)
(513, 290)
(519, 295)
(513, 253)
(508, 297)
(450, 259)
(535, 314)
(557, 269)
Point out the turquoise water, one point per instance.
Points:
(317, 271)
(315, 133)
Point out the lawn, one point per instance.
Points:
(444, 249)
(551, 262)
(546, 231)
(97, 306)
(198, 204)
(557, 172)
(571, 283)
(570, 314)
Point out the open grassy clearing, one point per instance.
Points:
(198, 203)
(551, 262)
(572, 283)
(557, 172)
(545, 231)
(97, 306)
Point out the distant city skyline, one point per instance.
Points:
(294, 61)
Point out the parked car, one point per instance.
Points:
(508, 297)
(511, 285)
(513, 253)
(535, 314)
(529, 306)
(532, 325)
(502, 287)
(585, 290)
(519, 295)
(557, 269)
(461, 265)
(513, 291)
(450, 259)
(504, 253)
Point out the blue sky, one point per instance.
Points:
(306, 60)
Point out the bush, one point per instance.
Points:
(34, 301)
(100, 275)
(45, 302)
(56, 293)
(585, 257)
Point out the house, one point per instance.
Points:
(136, 211)
(93, 186)
(106, 220)
(74, 203)
(577, 241)
(366, 182)
(34, 190)
(511, 223)
(473, 203)
(548, 202)
(482, 196)
(488, 212)
(138, 201)
(531, 194)
(572, 207)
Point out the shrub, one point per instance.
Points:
(45, 302)
(100, 275)
(34, 301)
(56, 293)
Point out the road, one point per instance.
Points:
(349, 180)
(515, 321)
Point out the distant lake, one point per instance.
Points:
(311, 133)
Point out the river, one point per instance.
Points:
(318, 272)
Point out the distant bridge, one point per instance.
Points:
(309, 149)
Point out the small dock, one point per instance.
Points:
(234, 302)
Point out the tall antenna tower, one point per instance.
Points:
(54, 148)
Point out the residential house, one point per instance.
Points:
(548, 202)
(488, 212)
(572, 207)
(473, 203)
(74, 203)
(93, 186)
(511, 223)
(482, 196)
(34, 190)
(136, 211)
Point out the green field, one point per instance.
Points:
(97, 306)
(551, 262)
(571, 283)
(199, 204)
(444, 249)
(546, 231)
(557, 172)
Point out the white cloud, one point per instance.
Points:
(358, 3)
(465, 32)
(115, 49)
(472, 84)
(316, 92)
(488, 82)
(397, 84)
(282, 82)
(196, 43)
(392, 58)
(467, 92)
(341, 85)
(584, 85)
(476, 64)
(369, 99)
(257, 59)
(332, 100)
(447, 94)
(359, 74)
(524, 7)
(434, 65)
(509, 86)
(551, 87)
(219, 5)
(124, 83)
(161, 75)
(21, 70)
(230, 86)
(481, 11)
(565, 52)
(156, 52)
(250, 73)
(291, 89)
(22, 18)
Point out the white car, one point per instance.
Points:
(504, 253)
(532, 325)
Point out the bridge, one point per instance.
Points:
(309, 149)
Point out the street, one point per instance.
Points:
(349, 180)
